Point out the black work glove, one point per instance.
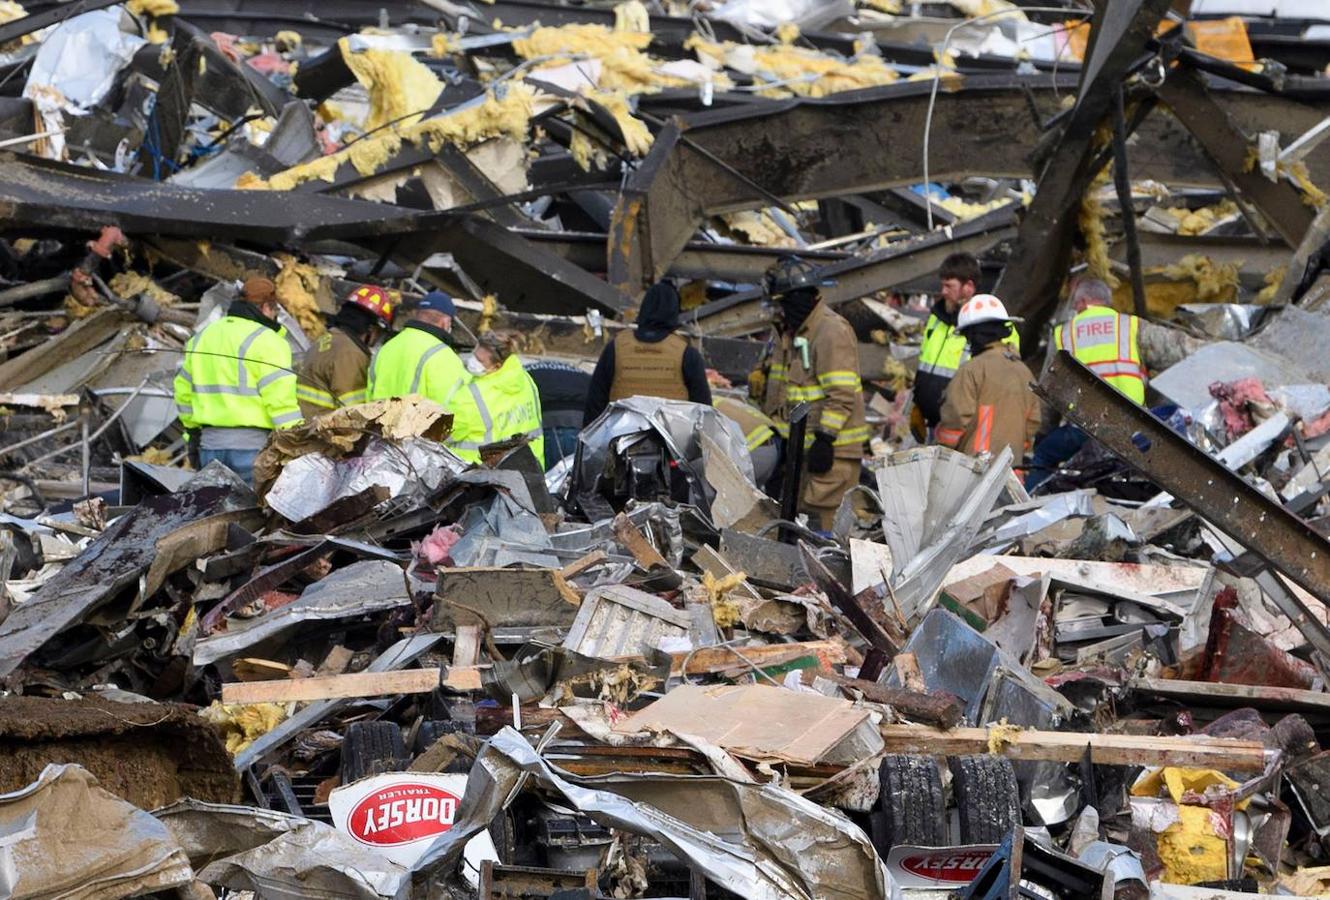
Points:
(821, 455)
(192, 438)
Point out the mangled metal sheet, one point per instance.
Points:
(126, 550)
(622, 621)
(370, 586)
(762, 842)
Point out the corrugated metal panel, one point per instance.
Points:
(623, 621)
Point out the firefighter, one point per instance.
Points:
(651, 360)
(504, 401)
(815, 359)
(943, 350)
(989, 404)
(420, 359)
(759, 434)
(1104, 341)
(334, 371)
(236, 384)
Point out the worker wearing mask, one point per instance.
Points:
(989, 404)
(651, 360)
(420, 359)
(759, 435)
(1104, 341)
(504, 401)
(815, 359)
(236, 383)
(334, 372)
(944, 350)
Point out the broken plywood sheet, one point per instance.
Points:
(762, 722)
(504, 598)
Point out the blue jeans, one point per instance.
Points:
(560, 441)
(239, 461)
(1058, 446)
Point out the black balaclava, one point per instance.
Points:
(659, 314)
(796, 306)
(982, 334)
(355, 320)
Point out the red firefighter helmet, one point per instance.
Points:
(374, 299)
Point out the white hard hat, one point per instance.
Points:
(983, 308)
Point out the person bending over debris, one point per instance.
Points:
(944, 350)
(759, 434)
(650, 361)
(989, 404)
(1105, 342)
(815, 360)
(505, 403)
(333, 373)
(419, 359)
(563, 388)
(236, 383)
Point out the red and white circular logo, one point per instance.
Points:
(959, 866)
(403, 813)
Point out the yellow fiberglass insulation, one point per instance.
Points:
(623, 65)
(131, 284)
(758, 228)
(1215, 283)
(1274, 280)
(1091, 221)
(631, 15)
(153, 7)
(242, 725)
(399, 86)
(799, 70)
(493, 117)
(297, 284)
(590, 153)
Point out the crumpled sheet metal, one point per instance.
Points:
(409, 470)
(760, 841)
(1226, 321)
(369, 586)
(1029, 518)
(934, 502)
(678, 422)
(67, 837)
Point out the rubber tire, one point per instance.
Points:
(911, 806)
(372, 748)
(988, 799)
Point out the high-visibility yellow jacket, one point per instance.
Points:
(1105, 341)
(757, 426)
(503, 404)
(236, 373)
(819, 365)
(333, 373)
(941, 355)
(416, 361)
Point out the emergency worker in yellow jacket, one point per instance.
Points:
(989, 404)
(335, 370)
(420, 359)
(815, 359)
(1107, 343)
(504, 401)
(944, 349)
(236, 383)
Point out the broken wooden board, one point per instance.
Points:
(359, 684)
(1207, 693)
(1068, 747)
(501, 598)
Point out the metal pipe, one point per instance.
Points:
(87, 453)
(100, 430)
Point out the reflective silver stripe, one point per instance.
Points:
(935, 369)
(187, 410)
(184, 373)
(1124, 337)
(287, 417)
(1108, 369)
(244, 348)
(226, 389)
(533, 434)
(274, 376)
(484, 412)
(420, 367)
(465, 445)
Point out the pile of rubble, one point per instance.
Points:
(379, 671)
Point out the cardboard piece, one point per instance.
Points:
(757, 721)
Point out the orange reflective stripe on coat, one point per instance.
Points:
(983, 433)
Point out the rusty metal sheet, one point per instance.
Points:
(1206, 485)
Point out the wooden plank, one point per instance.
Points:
(636, 543)
(1216, 694)
(466, 645)
(942, 710)
(1068, 747)
(709, 660)
(359, 684)
(580, 565)
(42, 401)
